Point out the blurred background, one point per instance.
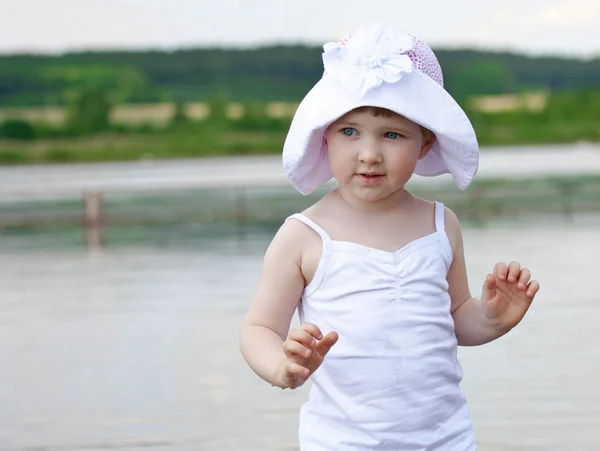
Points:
(140, 183)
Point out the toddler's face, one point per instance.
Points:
(374, 157)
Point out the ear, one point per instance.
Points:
(428, 142)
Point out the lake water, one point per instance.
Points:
(135, 347)
(71, 180)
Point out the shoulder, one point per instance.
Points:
(453, 229)
(295, 236)
(290, 238)
(451, 221)
(296, 245)
(451, 224)
(426, 207)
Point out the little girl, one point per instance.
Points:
(377, 275)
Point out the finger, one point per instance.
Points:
(501, 270)
(524, 278)
(489, 288)
(301, 336)
(325, 345)
(514, 269)
(291, 348)
(533, 288)
(312, 330)
(294, 369)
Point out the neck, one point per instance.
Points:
(384, 205)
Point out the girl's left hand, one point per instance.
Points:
(507, 294)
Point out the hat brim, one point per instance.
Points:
(416, 97)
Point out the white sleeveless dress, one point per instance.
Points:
(391, 382)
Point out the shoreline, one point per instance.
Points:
(64, 181)
(245, 191)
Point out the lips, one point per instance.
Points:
(370, 178)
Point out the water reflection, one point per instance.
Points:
(135, 347)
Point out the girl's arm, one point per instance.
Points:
(506, 295)
(267, 322)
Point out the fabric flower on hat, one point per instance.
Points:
(368, 58)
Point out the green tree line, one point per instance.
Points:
(267, 73)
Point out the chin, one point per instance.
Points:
(371, 195)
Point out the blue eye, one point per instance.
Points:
(348, 131)
(392, 135)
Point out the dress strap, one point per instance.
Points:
(325, 254)
(439, 217)
(310, 223)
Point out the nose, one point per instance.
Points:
(370, 152)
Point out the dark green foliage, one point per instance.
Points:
(17, 129)
(89, 112)
(12, 157)
(255, 119)
(268, 73)
(180, 115)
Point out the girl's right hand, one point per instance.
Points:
(305, 349)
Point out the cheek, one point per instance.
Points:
(403, 160)
(337, 154)
(336, 160)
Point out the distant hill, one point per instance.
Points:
(268, 73)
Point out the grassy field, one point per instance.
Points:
(201, 140)
(153, 113)
(150, 132)
(192, 140)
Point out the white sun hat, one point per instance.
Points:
(380, 68)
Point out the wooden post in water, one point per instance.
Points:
(93, 207)
(568, 198)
